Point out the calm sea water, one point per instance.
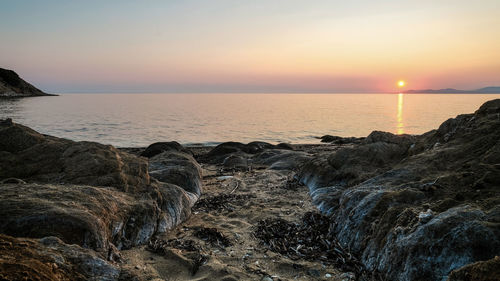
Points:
(141, 119)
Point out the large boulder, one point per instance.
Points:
(280, 159)
(219, 153)
(242, 157)
(416, 207)
(159, 147)
(177, 168)
(86, 193)
(352, 165)
(31, 156)
(103, 219)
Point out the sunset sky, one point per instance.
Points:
(251, 46)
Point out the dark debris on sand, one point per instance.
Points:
(212, 236)
(221, 202)
(294, 184)
(197, 257)
(312, 240)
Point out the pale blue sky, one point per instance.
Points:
(250, 46)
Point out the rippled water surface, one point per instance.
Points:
(141, 119)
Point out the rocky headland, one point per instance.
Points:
(13, 86)
(384, 207)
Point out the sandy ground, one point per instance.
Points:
(255, 195)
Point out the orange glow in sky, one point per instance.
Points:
(252, 46)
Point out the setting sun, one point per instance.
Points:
(401, 83)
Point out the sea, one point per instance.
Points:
(137, 120)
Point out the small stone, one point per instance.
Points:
(348, 276)
(314, 273)
(328, 275)
(426, 216)
(267, 278)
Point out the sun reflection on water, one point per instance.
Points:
(399, 125)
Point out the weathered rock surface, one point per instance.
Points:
(31, 156)
(103, 219)
(177, 168)
(159, 147)
(89, 194)
(11, 85)
(49, 259)
(479, 271)
(416, 207)
(238, 156)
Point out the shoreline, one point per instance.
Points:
(248, 211)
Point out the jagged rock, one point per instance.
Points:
(11, 85)
(375, 192)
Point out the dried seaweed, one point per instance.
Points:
(196, 256)
(293, 184)
(212, 236)
(312, 240)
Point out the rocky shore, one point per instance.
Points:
(384, 207)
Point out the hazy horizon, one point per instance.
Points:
(251, 46)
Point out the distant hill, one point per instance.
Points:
(486, 90)
(12, 86)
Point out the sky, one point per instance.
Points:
(251, 46)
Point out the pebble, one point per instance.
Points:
(267, 278)
(328, 275)
(347, 276)
(313, 272)
(426, 216)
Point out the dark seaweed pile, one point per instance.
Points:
(160, 246)
(196, 255)
(312, 239)
(212, 236)
(294, 184)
